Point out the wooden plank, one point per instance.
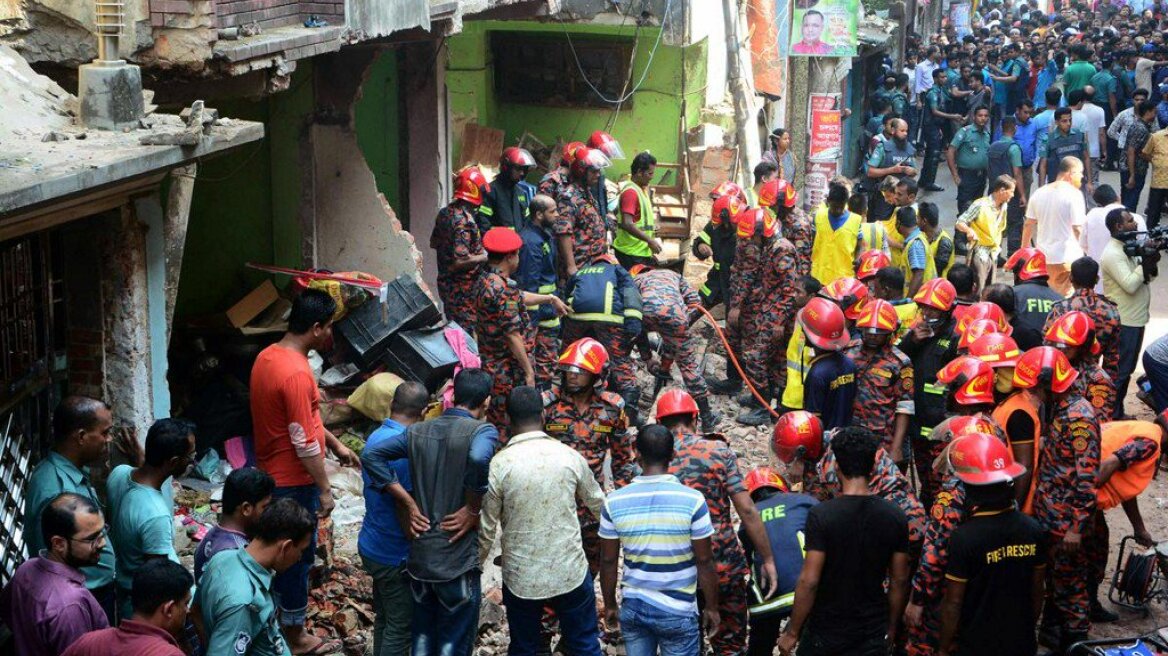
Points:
(481, 145)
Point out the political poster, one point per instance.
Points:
(824, 127)
(824, 28)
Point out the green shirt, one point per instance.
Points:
(235, 599)
(972, 146)
(1105, 84)
(143, 528)
(1044, 140)
(1078, 75)
(936, 98)
(51, 477)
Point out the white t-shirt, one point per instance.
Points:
(1095, 234)
(1057, 207)
(1144, 74)
(1093, 120)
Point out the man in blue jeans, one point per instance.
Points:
(656, 513)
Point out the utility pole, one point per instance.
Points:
(741, 91)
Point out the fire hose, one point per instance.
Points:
(733, 359)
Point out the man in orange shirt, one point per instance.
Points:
(290, 442)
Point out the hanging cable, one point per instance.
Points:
(644, 73)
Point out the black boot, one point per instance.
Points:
(710, 419)
(1099, 614)
(1050, 634)
(632, 399)
(728, 387)
(755, 413)
(1070, 638)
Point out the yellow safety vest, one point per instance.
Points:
(988, 225)
(931, 251)
(907, 313)
(875, 237)
(798, 362)
(930, 268)
(624, 241)
(834, 251)
(898, 256)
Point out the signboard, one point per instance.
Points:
(959, 19)
(825, 28)
(770, 35)
(824, 127)
(815, 182)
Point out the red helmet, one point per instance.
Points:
(516, 157)
(471, 185)
(727, 208)
(589, 158)
(878, 316)
(570, 152)
(849, 293)
(1045, 365)
(823, 325)
(970, 380)
(728, 188)
(604, 142)
(760, 477)
(997, 349)
(870, 263)
(969, 424)
(983, 310)
(1028, 264)
(937, 293)
(1073, 329)
(798, 434)
(975, 330)
(756, 220)
(777, 191)
(981, 459)
(675, 402)
(585, 354)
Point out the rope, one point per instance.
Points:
(734, 360)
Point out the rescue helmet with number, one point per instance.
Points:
(570, 151)
(1073, 329)
(726, 209)
(1045, 366)
(798, 434)
(870, 263)
(603, 141)
(849, 293)
(823, 325)
(937, 293)
(675, 402)
(471, 185)
(996, 349)
(728, 188)
(516, 158)
(1028, 263)
(975, 330)
(756, 221)
(878, 317)
(586, 355)
(777, 192)
(588, 159)
(969, 379)
(983, 459)
(982, 310)
(761, 477)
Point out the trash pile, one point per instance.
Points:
(341, 606)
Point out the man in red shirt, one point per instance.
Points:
(290, 442)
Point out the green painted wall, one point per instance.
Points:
(378, 126)
(651, 124)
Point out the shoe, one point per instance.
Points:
(728, 387)
(758, 416)
(1050, 636)
(709, 418)
(1100, 615)
(1071, 638)
(746, 399)
(933, 187)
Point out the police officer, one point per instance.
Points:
(537, 274)
(1033, 297)
(636, 241)
(457, 241)
(1062, 141)
(967, 158)
(580, 228)
(894, 156)
(508, 202)
(934, 123)
(884, 378)
(234, 596)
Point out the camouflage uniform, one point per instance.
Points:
(799, 229)
(770, 329)
(500, 311)
(1097, 387)
(1064, 500)
(580, 219)
(884, 389)
(747, 297)
(711, 468)
(928, 584)
(1106, 317)
(456, 236)
(665, 301)
(822, 482)
(554, 182)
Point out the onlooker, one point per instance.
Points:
(1096, 121)
(652, 515)
(964, 281)
(1054, 219)
(46, 604)
(1125, 281)
(1026, 135)
(1133, 166)
(1118, 128)
(290, 442)
(246, 493)
(1155, 361)
(81, 437)
(382, 543)
(535, 484)
(162, 595)
(854, 543)
(1156, 152)
(984, 223)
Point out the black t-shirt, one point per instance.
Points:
(858, 536)
(830, 389)
(995, 554)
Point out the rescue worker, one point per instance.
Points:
(507, 204)
(711, 467)
(884, 378)
(667, 303)
(893, 156)
(1064, 494)
(603, 142)
(798, 355)
(888, 284)
(1102, 310)
(969, 392)
(580, 228)
(764, 172)
(636, 241)
(556, 179)
(1074, 334)
(1017, 413)
(604, 304)
(744, 291)
(916, 264)
(869, 263)
(1001, 352)
(718, 240)
(780, 197)
(1033, 297)
(836, 244)
(504, 329)
(904, 194)
(537, 275)
(930, 343)
(784, 515)
(581, 413)
(458, 243)
(829, 389)
(940, 249)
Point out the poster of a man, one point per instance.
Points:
(811, 30)
(827, 28)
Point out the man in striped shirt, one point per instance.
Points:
(664, 528)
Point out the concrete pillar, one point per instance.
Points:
(174, 231)
(428, 144)
(148, 211)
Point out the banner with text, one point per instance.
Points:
(825, 28)
(823, 125)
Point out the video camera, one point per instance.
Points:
(1156, 241)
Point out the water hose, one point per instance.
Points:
(734, 360)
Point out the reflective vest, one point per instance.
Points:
(784, 516)
(875, 237)
(798, 362)
(897, 253)
(1129, 483)
(930, 268)
(989, 223)
(603, 292)
(1024, 401)
(834, 251)
(624, 241)
(906, 311)
(931, 251)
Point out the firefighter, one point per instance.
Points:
(457, 241)
(884, 378)
(869, 263)
(1074, 334)
(603, 142)
(537, 274)
(636, 241)
(798, 356)
(558, 178)
(711, 467)
(604, 304)
(837, 237)
(1102, 310)
(1017, 413)
(1033, 297)
(930, 344)
(718, 241)
(508, 202)
(667, 303)
(1001, 353)
(888, 284)
(829, 389)
(745, 297)
(779, 197)
(580, 230)
(1064, 492)
(969, 392)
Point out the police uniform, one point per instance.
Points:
(235, 599)
(884, 388)
(507, 204)
(972, 146)
(537, 274)
(666, 298)
(934, 132)
(500, 312)
(1106, 317)
(456, 236)
(583, 220)
(606, 306)
(928, 583)
(928, 357)
(887, 153)
(1054, 146)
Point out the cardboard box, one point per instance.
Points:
(250, 306)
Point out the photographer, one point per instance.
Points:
(1128, 267)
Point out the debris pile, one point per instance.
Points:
(341, 606)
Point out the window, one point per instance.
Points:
(540, 69)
